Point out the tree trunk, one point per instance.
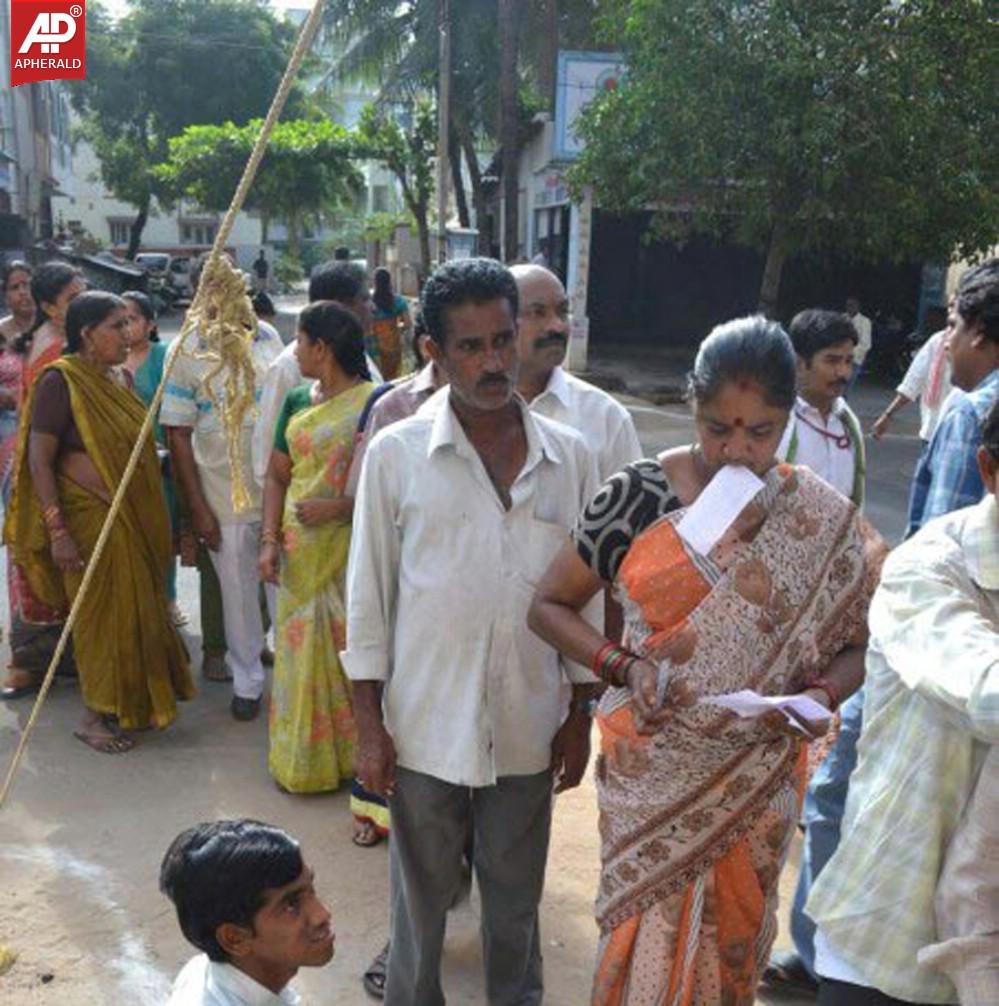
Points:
(294, 227)
(776, 257)
(509, 138)
(423, 227)
(467, 141)
(135, 231)
(457, 182)
(548, 71)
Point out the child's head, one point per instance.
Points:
(245, 896)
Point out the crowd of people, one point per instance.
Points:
(580, 582)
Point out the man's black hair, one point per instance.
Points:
(465, 281)
(340, 281)
(220, 871)
(990, 431)
(978, 297)
(814, 330)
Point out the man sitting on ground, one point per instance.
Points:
(245, 898)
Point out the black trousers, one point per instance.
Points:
(834, 993)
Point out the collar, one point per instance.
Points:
(424, 380)
(980, 541)
(839, 406)
(446, 431)
(245, 989)
(558, 385)
(987, 383)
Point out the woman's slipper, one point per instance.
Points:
(374, 977)
(366, 835)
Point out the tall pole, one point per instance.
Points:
(443, 125)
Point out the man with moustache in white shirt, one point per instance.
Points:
(459, 510)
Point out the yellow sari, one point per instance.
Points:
(312, 731)
(131, 662)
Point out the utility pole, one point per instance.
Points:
(443, 125)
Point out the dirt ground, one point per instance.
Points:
(82, 838)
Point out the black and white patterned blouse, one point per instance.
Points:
(627, 503)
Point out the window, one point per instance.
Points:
(197, 233)
(119, 231)
(379, 199)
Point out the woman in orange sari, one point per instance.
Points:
(34, 624)
(697, 805)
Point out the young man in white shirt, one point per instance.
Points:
(823, 433)
(459, 510)
(200, 460)
(542, 340)
(246, 899)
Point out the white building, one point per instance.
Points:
(183, 230)
(34, 149)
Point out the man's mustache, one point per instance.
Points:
(490, 379)
(551, 339)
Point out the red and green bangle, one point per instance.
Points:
(611, 664)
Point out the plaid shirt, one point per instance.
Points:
(931, 711)
(947, 475)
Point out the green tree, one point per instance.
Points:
(395, 45)
(306, 175)
(409, 154)
(864, 126)
(165, 65)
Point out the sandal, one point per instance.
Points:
(374, 977)
(366, 835)
(112, 742)
(786, 972)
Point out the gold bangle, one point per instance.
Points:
(269, 537)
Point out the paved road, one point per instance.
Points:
(81, 841)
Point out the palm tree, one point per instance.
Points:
(394, 45)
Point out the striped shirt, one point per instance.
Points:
(931, 712)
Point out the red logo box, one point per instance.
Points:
(48, 41)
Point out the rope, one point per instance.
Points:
(304, 42)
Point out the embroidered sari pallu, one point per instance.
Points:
(696, 820)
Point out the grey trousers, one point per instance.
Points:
(511, 823)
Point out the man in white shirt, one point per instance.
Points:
(199, 455)
(823, 433)
(908, 907)
(347, 284)
(862, 325)
(246, 899)
(927, 379)
(542, 340)
(459, 510)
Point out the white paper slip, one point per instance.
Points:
(748, 704)
(714, 511)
